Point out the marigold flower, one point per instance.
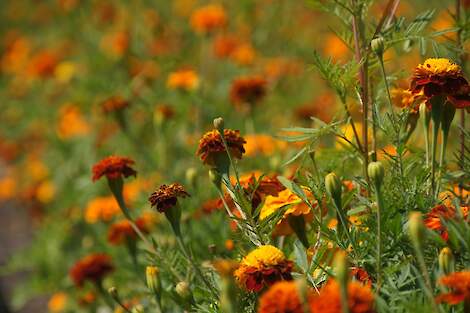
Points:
(43, 64)
(211, 145)
(113, 167)
(282, 297)
(361, 275)
(93, 268)
(57, 302)
(360, 299)
(404, 98)
(114, 104)
(441, 77)
(434, 218)
(263, 144)
(225, 267)
(101, 209)
(208, 19)
(121, 231)
(185, 79)
(71, 122)
(263, 267)
(225, 45)
(248, 90)
(166, 197)
(459, 283)
(295, 206)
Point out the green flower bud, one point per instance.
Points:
(341, 267)
(333, 185)
(183, 290)
(376, 172)
(378, 46)
(219, 124)
(153, 279)
(215, 178)
(416, 228)
(446, 261)
(114, 293)
(191, 175)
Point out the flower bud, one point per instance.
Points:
(377, 45)
(376, 172)
(215, 178)
(219, 124)
(416, 228)
(333, 186)
(191, 175)
(114, 294)
(138, 309)
(446, 261)
(153, 279)
(183, 290)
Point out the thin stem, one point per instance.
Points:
(351, 122)
(427, 279)
(435, 133)
(426, 139)
(458, 12)
(189, 257)
(378, 195)
(389, 97)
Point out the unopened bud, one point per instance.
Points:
(114, 293)
(378, 45)
(376, 172)
(138, 309)
(153, 279)
(215, 178)
(219, 124)
(333, 186)
(183, 290)
(416, 228)
(191, 175)
(446, 261)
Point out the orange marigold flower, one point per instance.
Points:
(459, 283)
(248, 90)
(211, 145)
(263, 267)
(71, 122)
(101, 209)
(225, 267)
(441, 77)
(208, 19)
(113, 167)
(93, 268)
(282, 297)
(434, 218)
(360, 299)
(57, 302)
(43, 64)
(404, 98)
(163, 112)
(114, 104)
(225, 45)
(166, 197)
(295, 207)
(121, 231)
(263, 144)
(185, 79)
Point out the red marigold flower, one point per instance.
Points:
(113, 167)
(166, 197)
(121, 231)
(263, 267)
(459, 283)
(248, 90)
(93, 267)
(360, 299)
(439, 213)
(211, 145)
(114, 103)
(361, 275)
(441, 77)
(282, 297)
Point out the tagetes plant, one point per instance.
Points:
(337, 180)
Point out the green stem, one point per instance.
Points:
(426, 139)
(379, 198)
(109, 302)
(389, 97)
(435, 133)
(427, 279)
(189, 257)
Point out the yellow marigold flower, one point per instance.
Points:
(404, 98)
(208, 19)
(262, 267)
(57, 302)
(296, 207)
(45, 191)
(243, 54)
(65, 71)
(441, 77)
(101, 209)
(185, 79)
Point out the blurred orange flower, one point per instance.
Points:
(71, 122)
(101, 209)
(57, 302)
(283, 296)
(184, 79)
(209, 18)
(93, 268)
(459, 285)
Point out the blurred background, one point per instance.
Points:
(80, 80)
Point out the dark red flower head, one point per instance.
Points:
(211, 145)
(441, 77)
(114, 103)
(248, 90)
(166, 196)
(113, 167)
(93, 268)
